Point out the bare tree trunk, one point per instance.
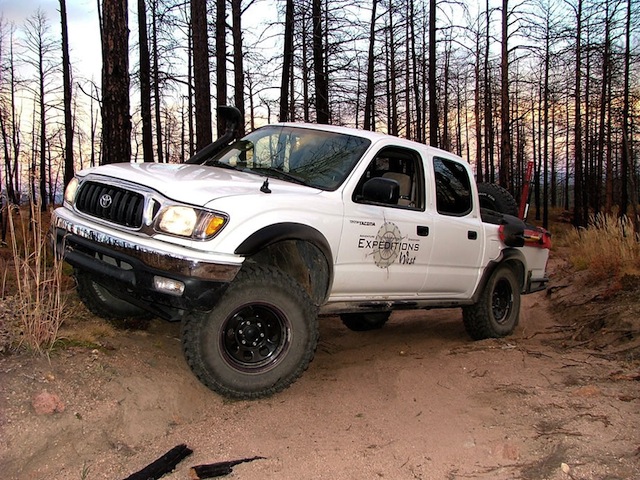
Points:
(238, 65)
(579, 208)
(603, 109)
(66, 79)
(190, 93)
(156, 83)
(414, 68)
(145, 84)
(505, 113)
(221, 60)
(116, 120)
(369, 109)
(13, 172)
(446, 140)
(321, 81)
(545, 136)
(476, 112)
(393, 130)
(433, 93)
(628, 172)
(488, 112)
(287, 62)
(202, 89)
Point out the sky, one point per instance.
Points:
(84, 35)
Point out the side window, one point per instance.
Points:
(402, 166)
(453, 188)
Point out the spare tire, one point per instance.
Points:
(496, 198)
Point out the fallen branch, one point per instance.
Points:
(163, 465)
(218, 469)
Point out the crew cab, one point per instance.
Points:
(253, 239)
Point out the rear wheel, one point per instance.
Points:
(497, 312)
(258, 339)
(362, 322)
(101, 302)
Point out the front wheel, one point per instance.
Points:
(497, 312)
(258, 339)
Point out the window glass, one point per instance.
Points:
(453, 187)
(402, 166)
(316, 158)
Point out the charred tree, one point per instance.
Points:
(202, 89)
(66, 80)
(145, 84)
(116, 120)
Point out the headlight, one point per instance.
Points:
(70, 191)
(190, 222)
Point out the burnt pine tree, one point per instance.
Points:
(321, 81)
(369, 115)
(145, 84)
(221, 59)
(238, 65)
(202, 89)
(505, 112)
(40, 48)
(287, 62)
(66, 79)
(433, 102)
(116, 119)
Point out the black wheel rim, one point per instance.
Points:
(502, 301)
(255, 338)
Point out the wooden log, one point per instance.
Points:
(163, 465)
(219, 469)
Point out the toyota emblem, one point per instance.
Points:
(106, 200)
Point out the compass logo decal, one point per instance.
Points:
(389, 246)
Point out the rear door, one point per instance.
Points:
(457, 233)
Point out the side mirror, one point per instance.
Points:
(381, 190)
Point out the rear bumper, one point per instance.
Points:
(131, 271)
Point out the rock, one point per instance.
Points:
(45, 403)
(587, 391)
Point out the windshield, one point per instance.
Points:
(312, 157)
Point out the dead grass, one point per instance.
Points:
(608, 248)
(36, 279)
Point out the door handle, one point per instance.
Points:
(472, 235)
(422, 231)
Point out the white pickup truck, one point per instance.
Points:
(253, 239)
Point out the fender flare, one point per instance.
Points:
(278, 232)
(508, 255)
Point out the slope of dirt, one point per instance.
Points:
(415, 400)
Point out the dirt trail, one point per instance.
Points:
(415, 400)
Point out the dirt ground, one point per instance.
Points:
(414, 400)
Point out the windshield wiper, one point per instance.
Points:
(217, 163)
(281, 174)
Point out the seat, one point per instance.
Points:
(404, 181)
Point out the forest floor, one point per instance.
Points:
(417, 399)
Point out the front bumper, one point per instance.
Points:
(129, 270)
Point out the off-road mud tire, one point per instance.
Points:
(497, 312)
(104, 304)
(258, 340)
(496, 198)
(363, 322)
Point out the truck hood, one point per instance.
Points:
(195, 184)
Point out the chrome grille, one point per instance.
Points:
(111, 203)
